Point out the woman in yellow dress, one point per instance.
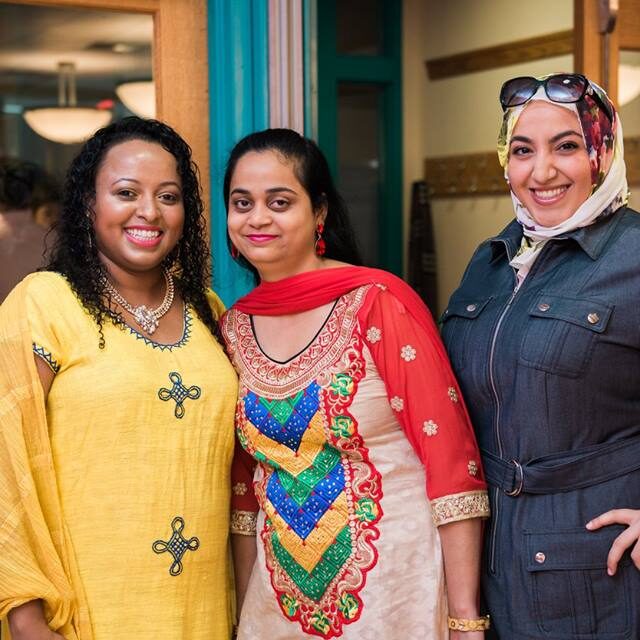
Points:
(116, 410)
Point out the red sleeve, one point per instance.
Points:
(426, 399)
(244, 506)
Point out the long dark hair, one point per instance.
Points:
(312, 171)
(75, 254)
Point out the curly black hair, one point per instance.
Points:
(313, 173)
(75, 253)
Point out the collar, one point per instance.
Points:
(591, 239)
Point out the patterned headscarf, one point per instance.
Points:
(609, 190)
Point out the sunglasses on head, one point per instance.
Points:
(564, 88)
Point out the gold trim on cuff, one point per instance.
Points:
(244, 522)
(460, 506)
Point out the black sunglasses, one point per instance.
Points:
(564, 88)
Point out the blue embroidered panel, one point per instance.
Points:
(302, 518)
(284, 421)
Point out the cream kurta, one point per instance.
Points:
(347, 539)
(408, 569)
(141, 439)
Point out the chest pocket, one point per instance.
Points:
(457, 321)
(561, 333)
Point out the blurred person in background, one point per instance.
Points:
(29, 200)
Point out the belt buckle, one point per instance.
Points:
(519, 472)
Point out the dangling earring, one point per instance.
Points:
(321, 245)
(234, 252)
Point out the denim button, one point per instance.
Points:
(543, 306)
(472, 307)
(540, 557)
(593, 318)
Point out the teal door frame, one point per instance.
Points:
(238, 38)
(386, 71)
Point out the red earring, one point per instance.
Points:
(321, 245)
(234, 252)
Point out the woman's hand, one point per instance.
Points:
(629, 537)
(27, 622)
(45, 634)
(466, 635)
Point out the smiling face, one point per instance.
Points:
(548, 167)
(139, 214)
(270, 219)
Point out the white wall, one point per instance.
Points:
(462, 115)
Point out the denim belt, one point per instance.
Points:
(564, 471)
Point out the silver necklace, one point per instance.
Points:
(147, 319)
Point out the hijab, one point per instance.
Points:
(604, 144)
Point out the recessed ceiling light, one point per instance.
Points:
(122, 47)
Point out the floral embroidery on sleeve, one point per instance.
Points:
(430, 428)
(239, 489)
(408, 353)
(397, 404)
(453, 394)
(473, 468)
(373, 334)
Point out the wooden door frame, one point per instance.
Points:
(589, 42)
(179, 67)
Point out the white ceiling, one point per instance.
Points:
(35, 39)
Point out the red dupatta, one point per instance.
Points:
(312, 289)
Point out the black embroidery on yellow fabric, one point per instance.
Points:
(47, 357)
(177, 545)
(179, 393)
(188, 320)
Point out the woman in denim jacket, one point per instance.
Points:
(544, 336)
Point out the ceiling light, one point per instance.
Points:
(122, 47)
(628, 83)
(139, 97)
(66, 123)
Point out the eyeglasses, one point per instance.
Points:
(563, 88)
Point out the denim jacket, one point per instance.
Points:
(553, 368)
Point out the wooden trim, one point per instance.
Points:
(480, 174)
(473, 174)
(130, 6)
(632, 160)
(629, 24)
(519, 51)
(588, 58)
(181, 74)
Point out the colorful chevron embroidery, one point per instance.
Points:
(321, 498)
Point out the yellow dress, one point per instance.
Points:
(141, 439)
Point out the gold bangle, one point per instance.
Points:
(464, 624)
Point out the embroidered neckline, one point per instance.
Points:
(295, 355)
(280, 380)
(186, 333)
